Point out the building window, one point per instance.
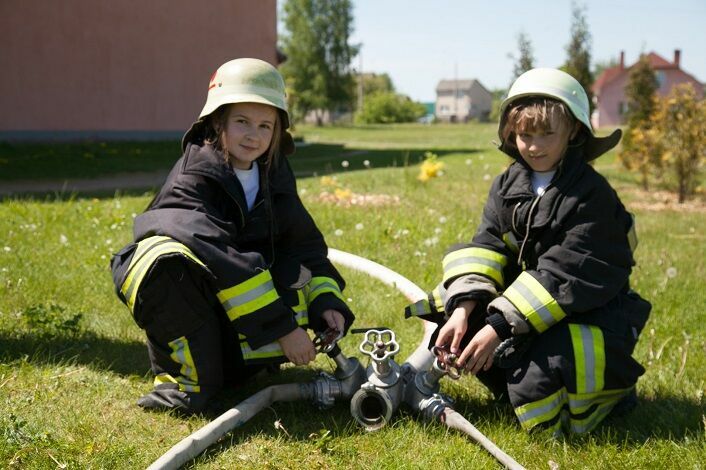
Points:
(660, 76)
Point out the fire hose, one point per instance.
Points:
(374, 393)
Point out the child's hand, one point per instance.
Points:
(298, 347)
(334, 319)
(454, 329)
(479, 352)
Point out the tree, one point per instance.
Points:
(318, 71)
(578, 62)
(525, 61)
(680, 121)
(640, 92)
(387, 108)
(499, 95)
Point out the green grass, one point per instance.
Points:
(72, 362)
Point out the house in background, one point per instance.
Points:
(127, 69)
(609, 88)
(462, 100)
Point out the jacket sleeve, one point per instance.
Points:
(588, 266)
(303, 241)
(475, 270)
(243, 282)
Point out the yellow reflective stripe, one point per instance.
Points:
(153, 250)
(474, 261)
(249, 296)
(181, 354)
(438, 297)
(301, 314)
(321, 285)
(632, 235)
(589, 356)
(542, 410)
(143, 246)
(420, 307)
(534, 302)
(268, 351)
(580, 402)
(511, 242)
(591, 421)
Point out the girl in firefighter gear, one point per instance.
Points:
(227, 267)
(538, 305)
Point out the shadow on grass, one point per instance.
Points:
(120, 357)
(663, 418)
(309, 160)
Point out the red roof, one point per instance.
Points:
(611, 73)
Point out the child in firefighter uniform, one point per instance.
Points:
(539, 304)
(228, 268)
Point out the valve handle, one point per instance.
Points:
(379, 344)
(326, 341)
(446, 361)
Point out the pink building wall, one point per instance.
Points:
(128, 65)
(611, 92)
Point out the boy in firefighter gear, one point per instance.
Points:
(538, 305)
(227, 267)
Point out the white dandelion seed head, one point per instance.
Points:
(302, 191)
(345, 163)
(671, 272)
(442, 219)
(366, 163)
(359, 226)
(338, 232)
(486, 166)
(468, 161)
(437, 230)
(7, 249)
(405, 232)
(486, 177)
(63, 239)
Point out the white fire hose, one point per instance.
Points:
(323, 390)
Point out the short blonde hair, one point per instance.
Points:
(535, 113)
(216, 128)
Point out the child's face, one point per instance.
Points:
(248, 132)
(543, 149)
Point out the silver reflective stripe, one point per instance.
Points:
(542, 410)
(535, 303)
(248, 296)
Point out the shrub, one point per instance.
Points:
(387, 108)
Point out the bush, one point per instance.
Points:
(387, 108)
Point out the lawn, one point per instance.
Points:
(72, 362)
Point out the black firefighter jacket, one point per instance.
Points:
(566, 253)
(258, 259)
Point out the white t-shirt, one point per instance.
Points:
(540, 181)
(250, 181)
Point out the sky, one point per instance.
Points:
(419, 42)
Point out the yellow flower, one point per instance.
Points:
(430, 167)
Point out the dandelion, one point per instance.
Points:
(63, 239)
(366, 163)
(486, 177)
(338, 232)
(671, 272)
(109, 241)
(7, 249)
(133, 215)
(302, 191)
(437, 230)
(405, 232)
(468, 161)
(486, 166)
(442, 219)
(345, 164)
(343, 194)
(431, 167)
(359, 226)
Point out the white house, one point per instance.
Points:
(462, 100)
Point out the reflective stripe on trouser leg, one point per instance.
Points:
(564, 410)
